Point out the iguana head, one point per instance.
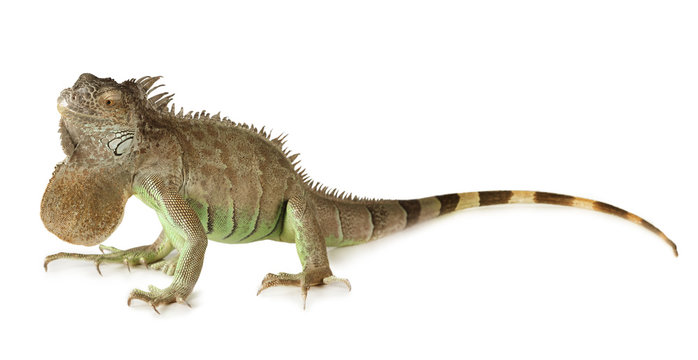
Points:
(101, 114)
(99, 100)
(84, 200)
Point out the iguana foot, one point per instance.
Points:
(168, 266)
(304, 280)
(142, 255)
(156, 297)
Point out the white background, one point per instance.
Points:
(393, 99)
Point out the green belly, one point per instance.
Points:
(231, 225)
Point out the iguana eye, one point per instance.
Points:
(111, 99)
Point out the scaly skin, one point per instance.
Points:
(209, 178)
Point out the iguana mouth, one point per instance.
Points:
(67, 109)
(62, 102)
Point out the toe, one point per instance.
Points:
(333, 279)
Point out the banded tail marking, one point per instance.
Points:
(416, 211)
(448, 203)
(412, 209)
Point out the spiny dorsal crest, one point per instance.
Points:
(160, 102)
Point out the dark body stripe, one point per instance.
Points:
(494, 197)
(412, 208)
(448, 203)
(209, 220)
(254, 229)
(279, 220)
(235, 223)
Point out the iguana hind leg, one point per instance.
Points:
(141, 255)
(301, 227)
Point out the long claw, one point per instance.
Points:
(111, 249)
(97, 263)
(132, 297)
(183, 302)
(304, 292)
(156, 297)
(137, 295)
(268, 281)
(127, 265)
(332, 279)
(50, 258)
(298, 280)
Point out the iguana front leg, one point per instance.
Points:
(141, 255)
(183, 230)
(301, 226)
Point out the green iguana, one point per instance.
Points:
(210, 178)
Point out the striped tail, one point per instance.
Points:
(431, 207)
